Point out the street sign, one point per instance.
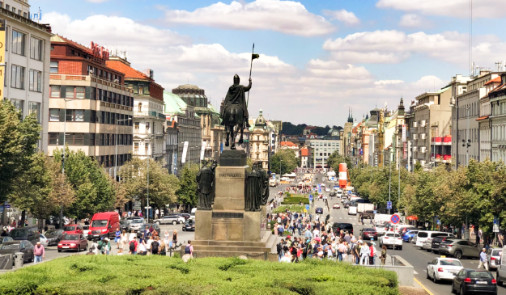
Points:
(307, 207)
(438, 222)
(389, 205)
(310, 198)
(395, 219)
(495, 228)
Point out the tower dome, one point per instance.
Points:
(260, 121)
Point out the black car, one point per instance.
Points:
(346, 227)
(189, 225)
(318, 210)
(147, 226)
(24, 246)
(53, 236)
(30, 233)
(474, 281)
(185, 215)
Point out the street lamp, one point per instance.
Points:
(280, 174)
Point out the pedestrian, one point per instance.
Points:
(141, 247)
(132, 246)
(174, 238)
(383, 256)
(188, 249)
(117, 238)
(483, 259)
(39, 252)
(155, 246)
(364, 253)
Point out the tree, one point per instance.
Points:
(18, 143)
(187, 193)
(94, 192)
(162, 185)
(335, 159)
(288, 161)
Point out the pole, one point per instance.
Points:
(147, 198)
(63, 158)
(467, 137)
(390, 180)
(250, 69)
(116, 152)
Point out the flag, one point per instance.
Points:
(255, 56)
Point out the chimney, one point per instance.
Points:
(149, 73)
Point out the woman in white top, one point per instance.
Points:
(124, 241)
(364, 253)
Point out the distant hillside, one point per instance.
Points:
(290, 129)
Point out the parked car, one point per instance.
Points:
(346, 204)
(5, 239)
(86, 230)
(368, 234)
(104, 224)
(75, 242)
(381, 229)
(73, 229)
(474, 281)
(189, 225)
(436, 242)
(135, 224)
(501, 269)
(443, 269)
(318, 210)
(336, 206)
(459, 248)
(494, 258)
(53, 236)
(346, 227)
(352, 210)
(147, 226)
(30, 233)
(369, 214)
(171, 218)
(15, 246)
(43, 240)
(185, 215)
(391, 239)
(409, 235)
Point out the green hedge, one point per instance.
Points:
(291, 208)
(295, 200)
(86, 274)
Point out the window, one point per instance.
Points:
(136, 124)
(146, 147)
(140, 107)
(36, 49)
(18, 103)
(80, 92)
(55, 91)
(136, 147)
(53, 67)
(17, 77)
(75, 115)
(18, 42)
(69, 92)
(34, 108)
(35, 81)
(147, 125)
(54, 115)
(53, 138)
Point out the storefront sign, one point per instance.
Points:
(99, 51)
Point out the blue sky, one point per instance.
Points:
(318, 58)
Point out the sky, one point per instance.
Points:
(318, 58)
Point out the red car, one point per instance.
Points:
(73, 229)
(75, 242)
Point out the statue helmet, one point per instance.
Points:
(236, 79)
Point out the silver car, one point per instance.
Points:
(171, 218)
(494, 258)
(136, 224)
(459, 248)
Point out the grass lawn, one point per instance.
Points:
(86, 274)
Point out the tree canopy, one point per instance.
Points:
(288, 161)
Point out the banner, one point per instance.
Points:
(185, 150)
(2, 58)
(202, 150)
(403, 133)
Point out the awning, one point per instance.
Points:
(412, 217)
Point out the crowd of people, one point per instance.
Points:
(311, 238)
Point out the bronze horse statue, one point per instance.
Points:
(234, 113)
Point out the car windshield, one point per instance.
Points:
(422, 234)
(10, 246)
(69, 228)
(452, 262)
(480, 275)
(447, 241)
(71, 237)
(136, 221)
(99, 223)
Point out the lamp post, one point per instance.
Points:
(147, 194)
(280, 173)
(63, 156)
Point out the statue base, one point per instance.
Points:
(233, 158)
(228, 230)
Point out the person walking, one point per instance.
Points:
(188, 249)
(39, 252)
(364, 253)
(483, 259)
(117, 238)
(383, 255)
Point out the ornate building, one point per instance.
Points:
(259, 142)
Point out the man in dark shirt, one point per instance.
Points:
(155, 246)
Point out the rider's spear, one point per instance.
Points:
(253, 56)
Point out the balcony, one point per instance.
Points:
(423, 149)
(415, 136)
(437, 140)
(438, 157)
(422, 136)
(447, 159)
(422, 123)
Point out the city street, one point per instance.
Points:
(416, 257)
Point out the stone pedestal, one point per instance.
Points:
(227, 229)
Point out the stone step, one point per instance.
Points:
(226, 253)
(227, 243)
(231, 248)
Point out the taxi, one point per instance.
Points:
(443, 268)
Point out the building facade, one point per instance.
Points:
(259, 142)
(149, 120)
(485, 122)
(90, 108)
(321, 150)
(24, 63)
(498, 121)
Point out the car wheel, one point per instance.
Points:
(435, 279)
(78, 249)
(453, 289)
(458, 254)
(59, 250)
(462, 292)
(174, 222)
(410, 240)
(400, 248)
(427, 275)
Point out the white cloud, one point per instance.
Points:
(394, 46)
(97, 1)
(287, 17)
(347, 17)
(411, 21)
(452, 8)
(388, 82)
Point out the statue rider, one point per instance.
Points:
(235, 95)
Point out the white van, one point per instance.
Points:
(424, 235)
(501, 269)
(352, 210)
